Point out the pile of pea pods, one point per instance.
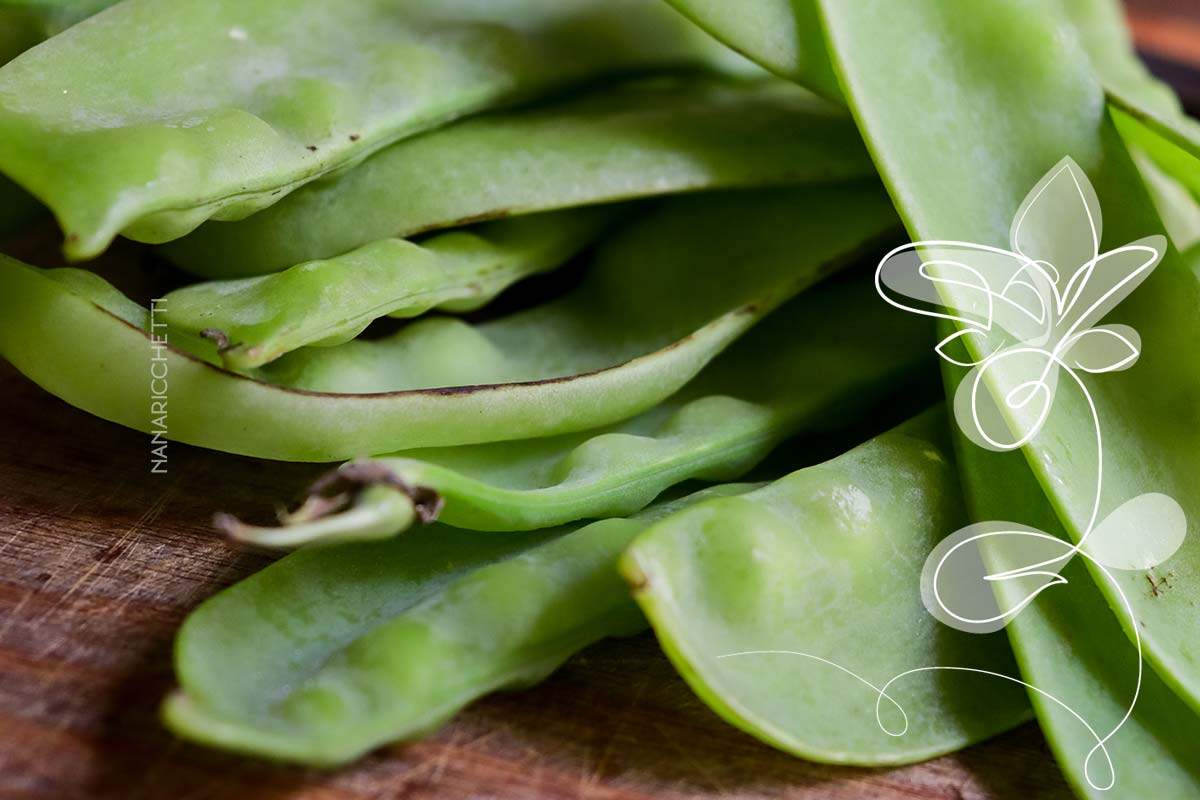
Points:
(572, 289)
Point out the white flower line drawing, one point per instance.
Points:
(1039, 323)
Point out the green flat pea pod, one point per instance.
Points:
(801, 370)
(218, 109)
(794, 611)
(680, 286)
(784, 36)
(1073, 652)
(636, 139)
(1012, 125)
(331, 652)
(696, 273)
(21, 27)
(323, 303)
(1105, 36)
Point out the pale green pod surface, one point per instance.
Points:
(783, 36)
(219, 109)
(666, 282)
(1105, 36)
(633, 337)
(786, 37)
(803, 369)
(1008, 125)
(636, 139)
(334, 651)
(787, 609)
(1069, 646)
(256, 320)
(21, 27)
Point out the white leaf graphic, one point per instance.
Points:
(1030, 380)
(956, 582)
(1099, 286)
(953, 351)
(1139, 534)
(1059, 223)
(984, 287)
(1105, 348)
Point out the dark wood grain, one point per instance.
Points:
(100, 560)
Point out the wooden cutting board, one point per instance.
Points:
(100, 560)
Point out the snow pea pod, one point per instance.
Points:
(1070, 647)
(648, 137)
(256, 320)
(796, 372)
(1011, 119)
(794, 611)
(1104, 34)
(333, 651)
(21, 27)
(639, 328)
(653, 283)
(784, 36)
(218, 109)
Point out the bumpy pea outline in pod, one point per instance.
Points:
(718, 427)
(786, 562)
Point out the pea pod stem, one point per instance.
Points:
(793, 374)
(359, 501)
